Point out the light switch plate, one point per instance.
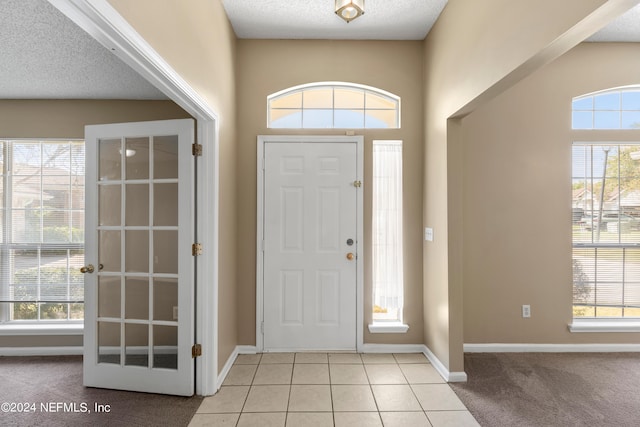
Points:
(428, 234)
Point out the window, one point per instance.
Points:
(611, 109)
(387, 232)
(606, 230)
(42, 235)
(333, 106)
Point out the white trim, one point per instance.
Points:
(388, 328)
(333, 85)
(46, 329)
(103, 23)
(261, 140)
(392, 348)
(450, 377)
(550, 348)
(247, 349)
(240, 349)
(227, 367)
(605, 325)
(40, 351)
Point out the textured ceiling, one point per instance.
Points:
(44, 55)
(626, 28)
(315, 19)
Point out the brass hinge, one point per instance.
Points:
(196, 149)
(196, 249)
(196, 350)
(357, 184)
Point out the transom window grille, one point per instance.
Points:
(388, 281)
(333, 106)
(606, 230)
(611, 109)
(42, 233)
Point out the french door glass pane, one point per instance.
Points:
(165, 157)
(136, 344)
(109, 342)
(108, 296)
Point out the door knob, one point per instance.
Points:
(350, 256)
(87, 269)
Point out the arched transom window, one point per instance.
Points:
(617, 108)
(333, 105)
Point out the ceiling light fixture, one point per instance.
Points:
(349, 9)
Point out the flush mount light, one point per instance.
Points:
(349, 9)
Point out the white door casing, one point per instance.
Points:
(139, 299)
(310, 219)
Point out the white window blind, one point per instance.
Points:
(42, 236)
(387, 231)
(606, 230)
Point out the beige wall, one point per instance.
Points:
(197, 40)
(517, 199)
(265, 67)
(475, 51)
(66, 119)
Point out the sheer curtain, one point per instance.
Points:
(387, 231)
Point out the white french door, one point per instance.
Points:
(139, 269)
(310, 223)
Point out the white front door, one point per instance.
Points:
(310, 245)
(139, 270)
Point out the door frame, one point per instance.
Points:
(301, 139)
(109, 28)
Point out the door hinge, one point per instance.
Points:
(262, 327)
(196, 149)
(196, 249)
(196, 350)
(357, 184)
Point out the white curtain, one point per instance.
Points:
(387, 231)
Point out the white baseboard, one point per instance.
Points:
(392, 348)
(366, 348)
(550, 348)
(450, 377)
(226, 368)
(247, 349)
(41, 351)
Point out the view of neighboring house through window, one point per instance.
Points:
(42, 240)
(606, 205)
(387, 231)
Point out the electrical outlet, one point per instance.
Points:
(175, 312)
(526, 311)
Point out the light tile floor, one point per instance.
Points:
(334, 389)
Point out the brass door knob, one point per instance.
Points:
(87, 269)
(350, 256)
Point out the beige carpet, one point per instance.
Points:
(552, 389)
(53, 380)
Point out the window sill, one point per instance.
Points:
(41, 329)
(611, 325)
(388, 328)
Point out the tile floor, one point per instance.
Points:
(335, 389)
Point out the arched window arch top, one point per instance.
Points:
(333, 105)
(615, 108)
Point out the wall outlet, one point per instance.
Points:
(175, 312)
(526, 311)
